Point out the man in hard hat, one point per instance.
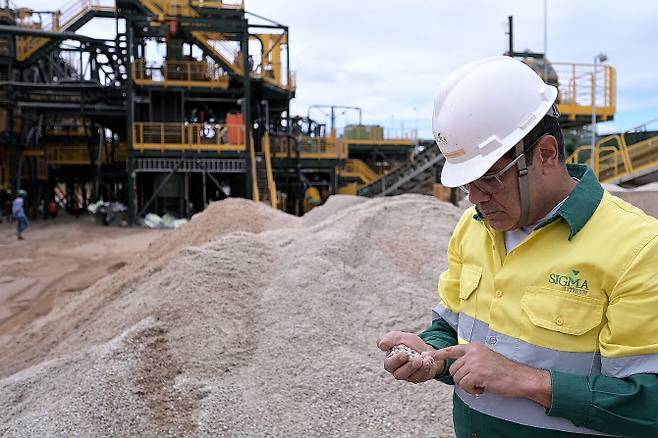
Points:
(18, 211)
(547, 317)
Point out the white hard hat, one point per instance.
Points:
(484, 109)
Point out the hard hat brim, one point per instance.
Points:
(458, 174)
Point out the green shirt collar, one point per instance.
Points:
(579, 206)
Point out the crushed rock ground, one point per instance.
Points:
(246, 322)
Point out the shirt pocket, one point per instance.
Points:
(560, 320)
(469, 280)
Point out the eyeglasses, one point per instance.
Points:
(491, 184)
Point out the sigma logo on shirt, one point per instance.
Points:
(570, 282)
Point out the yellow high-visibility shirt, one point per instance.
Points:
(578, 297)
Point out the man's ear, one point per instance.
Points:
(546, 153)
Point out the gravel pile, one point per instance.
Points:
(244, 322)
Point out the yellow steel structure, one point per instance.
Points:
(63, 154)
(618, 159)
(314, 148)
(271, 67)
(271, 185)
(221, 49)
(187, 74)
(164, 9)
(384, 142)
(360, 170)
(60, 21)
(68, 14)
(185, 136)
(252, 170)
(580, 88)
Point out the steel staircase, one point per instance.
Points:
(70, 18)
(218, 50)
(408, 176)
(357, 169)
(629, 158)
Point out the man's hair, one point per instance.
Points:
(548, 125)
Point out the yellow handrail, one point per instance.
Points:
(188, 136)
(218, 4)
(580, 87)
(615, 159)
(313, 148)
(254, 174)
(60, 21)
(358, 169)
(270, 175)
(181, 74)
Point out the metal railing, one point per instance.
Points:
(68, 154)
(56, 22)
(180, 73)
(271, 184)
(311, 148)
(188, 136)
(228, 52)
(79, 154)
(580, 87)
(223, 50)
(358, 169)
(217, 4)
(620, 156)
(187, 8)
(406, 176)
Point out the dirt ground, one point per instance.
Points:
(56, 259)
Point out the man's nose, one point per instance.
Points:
(477, 195)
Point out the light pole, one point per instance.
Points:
(601, 57)
(545, 42)
(415, 123)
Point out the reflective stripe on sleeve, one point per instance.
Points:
(621, 367)
(440, 311)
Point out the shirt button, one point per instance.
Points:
(492, 340)
(559, 321)
(499, 293)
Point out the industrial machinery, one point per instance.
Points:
(187, 102)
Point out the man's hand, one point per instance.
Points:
(401, 366)
(478, 369)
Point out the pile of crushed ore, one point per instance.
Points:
(244, 322)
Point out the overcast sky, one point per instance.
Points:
(388, 57)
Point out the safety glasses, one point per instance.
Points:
(492, 184)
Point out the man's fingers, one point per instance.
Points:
(472, 384)
(392, 363)
(466, 383)
(449, 352)
(389, 340)
(405, 371)
(456, 365)
(459, 373)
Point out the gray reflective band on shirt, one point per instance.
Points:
(519, 410)
(621, 367)
(583, 364)
(440, 311)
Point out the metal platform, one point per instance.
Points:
(190, 165)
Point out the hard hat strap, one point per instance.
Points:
(524, 187)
